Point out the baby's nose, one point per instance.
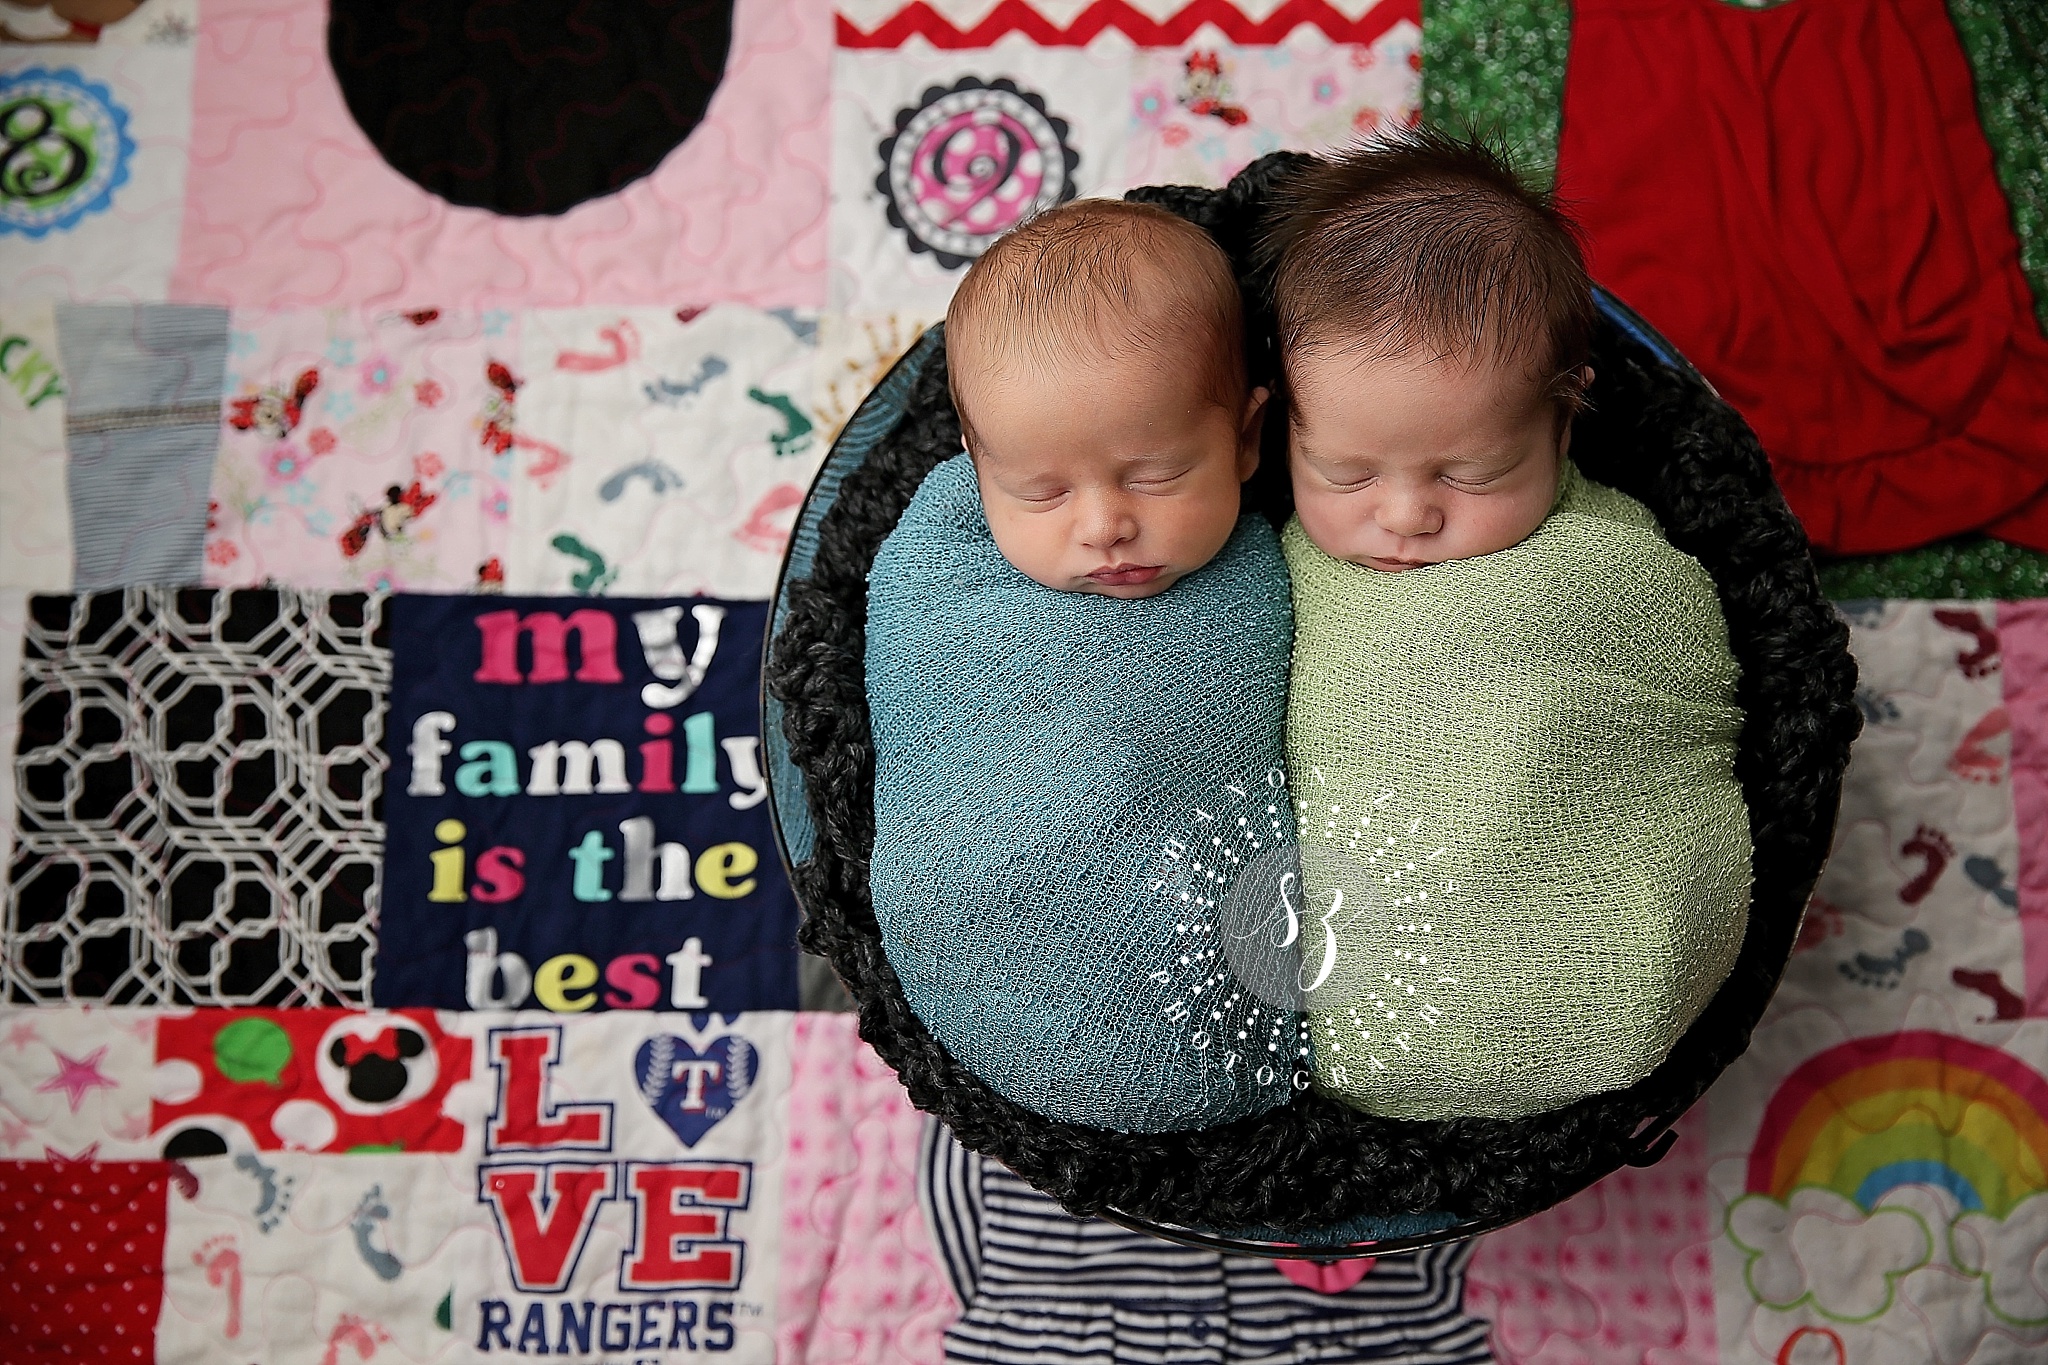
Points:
(1106, 521)
(1409, 515)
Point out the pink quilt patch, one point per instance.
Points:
(860, 1277)
(2023, 634)
(289, 206)
(1623, 1272)
(362, 452)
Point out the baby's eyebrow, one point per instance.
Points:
(1501, 460)
(1162, 456)
(1329, 461)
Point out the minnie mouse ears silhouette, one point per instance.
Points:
(1315, 1179)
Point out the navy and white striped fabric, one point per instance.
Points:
(1038, 1285)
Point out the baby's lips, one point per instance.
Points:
(1126, 575)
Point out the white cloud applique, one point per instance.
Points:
(2012, 1257)
(1824, 1250)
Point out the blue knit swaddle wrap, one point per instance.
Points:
(1047, 768)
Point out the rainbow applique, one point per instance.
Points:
(1913, 1108)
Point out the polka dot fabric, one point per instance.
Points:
(81, 1259)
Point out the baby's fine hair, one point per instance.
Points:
(1423, 242)
(1106, 279)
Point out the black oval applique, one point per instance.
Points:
(527, 107)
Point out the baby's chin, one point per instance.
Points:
(1128, 594)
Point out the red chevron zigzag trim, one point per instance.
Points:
(1016, 16)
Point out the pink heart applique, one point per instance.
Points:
(1325, 1277)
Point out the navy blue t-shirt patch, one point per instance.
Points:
(576, 813)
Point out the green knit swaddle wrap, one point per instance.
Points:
(1517, 789)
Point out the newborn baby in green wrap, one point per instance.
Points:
(1511, 727)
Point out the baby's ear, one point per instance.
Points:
(1253, 423)
(1571, 399)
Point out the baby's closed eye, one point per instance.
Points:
(1160, 480)
(1478, 475)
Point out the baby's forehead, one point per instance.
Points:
(1336, 359)
(1149, 306)
(1155, 350)
(1095, 269)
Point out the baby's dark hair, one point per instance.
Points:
(1106, 277)
(1421, 241)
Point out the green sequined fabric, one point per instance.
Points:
(2007, 43)
(1971, 566)
(1498, 66)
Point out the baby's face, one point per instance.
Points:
(1401, 462)
(1108, 476)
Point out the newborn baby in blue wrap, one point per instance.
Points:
(1077, 657)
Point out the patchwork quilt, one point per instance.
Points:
(403, 411)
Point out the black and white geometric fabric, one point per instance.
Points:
(198, 776)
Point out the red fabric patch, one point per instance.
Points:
(1802, 200)
(81, 1259)
(321, 1080)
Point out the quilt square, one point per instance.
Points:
(1884, 1191)
(73, 1080)
(2023, 641)
(81, 1262)
(1203, 112)
(143, 424)
(35, 520)
(632, 1178)
(937, 153)
(334, 1081)
(1922, 890)
(365, 452)
(113, 123)
(735, 212)
(953, 24)
(295, 1259)
(851, 1179)
(583, 824)
(196, 776)
(13, 619)
(662, 450)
